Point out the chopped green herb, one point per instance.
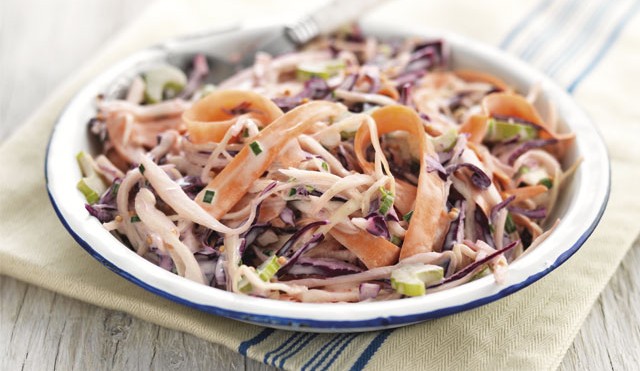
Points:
(142, 169)
(547, 182)
(386, 201)
(245, 133)
(509, 225)
(292, 192)
(135, 219)
(115, 188)
(208, 196)
(492, 229)
(255, 148)
(407, 217)
(309, 188)
(325, 166)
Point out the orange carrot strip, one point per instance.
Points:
(389, 90)
(514, 105)
(429, 221)
(232, 183)
(476, 126)
(525, 193)
(210, 118)
(528, 224)
(405, 196)
(501, 178)
(505, 104)
(372, 250)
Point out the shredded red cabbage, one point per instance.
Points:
(471, 267)
(529, 145)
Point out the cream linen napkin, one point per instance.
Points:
(590, 49)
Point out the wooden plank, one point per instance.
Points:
(610, 336)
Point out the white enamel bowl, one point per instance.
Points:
(580, 206)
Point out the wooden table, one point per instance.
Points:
(41, 43)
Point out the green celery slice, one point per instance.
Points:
(265, 271)
(445, 141)
(412, 279)
(323, 69)
(161, 79)
(498, 131)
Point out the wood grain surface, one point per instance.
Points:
(41, 43)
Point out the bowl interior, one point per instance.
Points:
(580, 205)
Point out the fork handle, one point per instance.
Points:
(328, 18)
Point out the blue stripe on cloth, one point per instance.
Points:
(584, 37)
(340, 350)
(560, 20)
(295, 351)
(327, 348)
(371, 350)
(289, 342)
(343, 338)
(605, 47)
(524, 22)
(245, 345)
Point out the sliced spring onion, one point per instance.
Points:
(445, 141)
(396, 240)
(386, 201)
(163, 80)
(89, 193)
(499, 131)
(91, 185)
(322, 69)
(268, 268)
(255, 148)
(325, 166)
(265, 271)
(412, 279)
(135, 219)
(141, 167)
(407, 217)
